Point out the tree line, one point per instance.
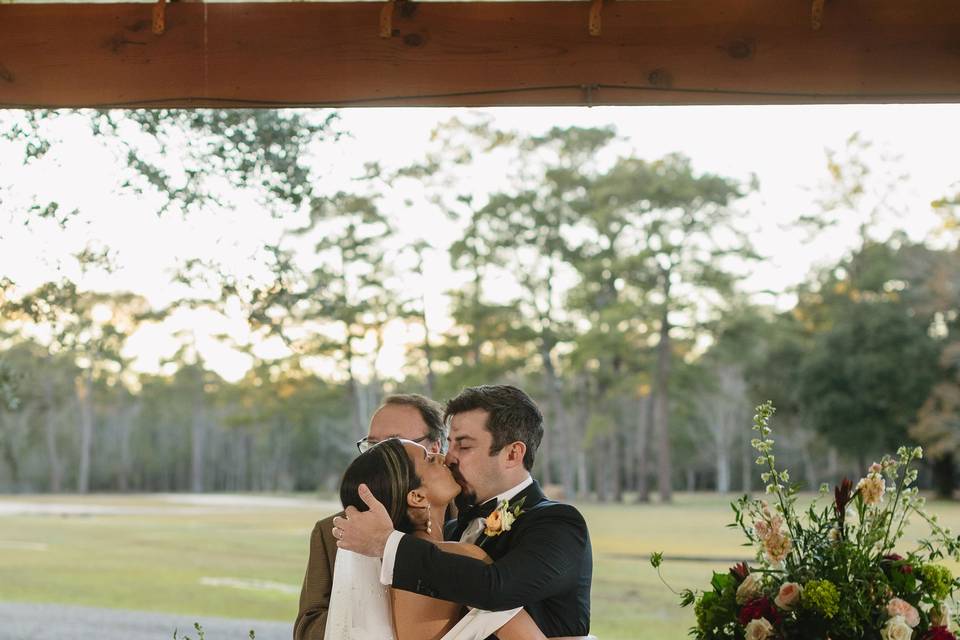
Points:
(608, 286)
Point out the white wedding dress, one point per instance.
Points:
(360, 606)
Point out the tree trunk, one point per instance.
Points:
(809, 466)
(600, 467)
(583, 475)
(198, 442)
(14, 432)
(359, 429)
(944, 476)
(123, 433)
(427, 348)
(833, 464)
(662, 400)
(564, 441)
(644, 421)
(545, 458)
(723, 414)
(54, 467)
(723, 470)
(84, 392)
(615, 473)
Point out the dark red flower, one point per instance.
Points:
(841, 498)
(895, 559)
(759, 608)
(939, 633)
(740, 571)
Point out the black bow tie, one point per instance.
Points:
(476, 511)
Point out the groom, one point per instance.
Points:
(542, 561)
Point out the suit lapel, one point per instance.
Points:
(496, 545)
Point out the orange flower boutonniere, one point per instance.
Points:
(502, 518)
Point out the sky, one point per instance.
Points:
(784, 147)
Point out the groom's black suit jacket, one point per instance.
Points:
(544, 564)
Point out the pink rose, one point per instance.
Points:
(788, 596)
(759, 629)
(898, 607)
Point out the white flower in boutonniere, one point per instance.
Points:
(502, 518)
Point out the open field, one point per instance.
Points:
(243, 556)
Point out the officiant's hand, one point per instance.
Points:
(364, 532)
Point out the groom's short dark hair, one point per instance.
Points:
(513, 416)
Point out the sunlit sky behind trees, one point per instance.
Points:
(783, 150)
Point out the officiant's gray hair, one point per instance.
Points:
(430, 411)
(513, 416)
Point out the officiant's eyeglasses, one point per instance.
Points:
(365, 443)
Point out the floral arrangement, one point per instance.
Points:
(833, 575)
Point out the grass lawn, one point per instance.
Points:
(218, 558)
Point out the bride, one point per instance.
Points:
(415, 487)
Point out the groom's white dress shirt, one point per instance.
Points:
(470, 534)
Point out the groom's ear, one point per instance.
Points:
(515, 453)
(417, 498)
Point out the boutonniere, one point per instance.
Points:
(503, 517)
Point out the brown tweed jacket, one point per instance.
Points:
(317, 582)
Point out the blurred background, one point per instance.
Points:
(200, 310)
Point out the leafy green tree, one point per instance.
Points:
(488, 339)
(865, 378)
(938, 422)
(90, 328)
(528, 233)
(191, 159)
(338, 306)
(671, 236)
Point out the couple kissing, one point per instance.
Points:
(512, 565)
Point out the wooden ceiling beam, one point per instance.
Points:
(480, 54)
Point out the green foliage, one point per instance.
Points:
(873, 343)
(937, 580)
(715, 609)
(8, 387)
(821, 597)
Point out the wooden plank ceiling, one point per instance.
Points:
(480, 54)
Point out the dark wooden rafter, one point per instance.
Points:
(469, 53)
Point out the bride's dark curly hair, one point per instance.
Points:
(389, 473)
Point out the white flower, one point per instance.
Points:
(748, 589)
(759, 629)
(896, 629)
(508, 519)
